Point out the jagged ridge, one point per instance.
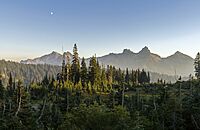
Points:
(178, 63)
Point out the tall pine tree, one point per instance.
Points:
(127, 78)
(132, 78)
(110, 75)
(2, 89)
(75, 68)
(93, 70)
(84, 75)
(103, 80)
(197, 66)
(143, 78)
(67, 69)
(10, 84)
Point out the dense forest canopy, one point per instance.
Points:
(80, 97)
(31, 72)
(27, 73)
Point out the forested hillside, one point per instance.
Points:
(99, 64)
(27, 73)
(97, 98)
(32, 72)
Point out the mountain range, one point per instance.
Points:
(176, 64)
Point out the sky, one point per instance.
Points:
(32, 28)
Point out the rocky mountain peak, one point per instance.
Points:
(54, 53)
(178, 53)
(68, 53)
(145, 50)
(127, 51)
(143, 59)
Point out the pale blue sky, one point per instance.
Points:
(27, 28)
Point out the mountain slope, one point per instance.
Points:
(31, 72)
(26, 72)
(53, 58)
(178, 63)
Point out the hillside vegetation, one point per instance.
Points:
(94, 97)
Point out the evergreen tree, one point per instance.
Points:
(51, 85)
(110, 75)
(45, 81)
(89, 87)
(63, 68)
(132, 77)
(127, 77)
(114, 74)
(75, 68)
(148, 77)
(103, 80)
(137, 76)
(2, 100)
(24, 112)
(143, 77)
(20, 92)
(2, 89)
(67, 69)
(84, 75)
(197, 65)
(10, 84)
(119, 76)
(98, 80)
(93, 70)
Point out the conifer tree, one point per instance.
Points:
(114, 74)
(19, 97)
(93, 70)
(127, 78)
(137, 76)
(2, 89)
(2, 99)
(63, 67)
(109, 75)
(67, 69)
(89, 87)
(132, 77)
(143, 77)
(84, 75)
(51, 84)
(45, 81)
(119, 77)
(197, 65)
(10, 84)
(98, 80)
(103, 80)
(148, 77)
(75, 68)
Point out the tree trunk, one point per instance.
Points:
(43, 108)
(4, 107)
(196, 124)
(19, 105)
(123, 96)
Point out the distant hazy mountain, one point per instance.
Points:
(53, 58)
(178, 63)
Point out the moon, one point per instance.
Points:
(51, 13)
